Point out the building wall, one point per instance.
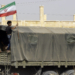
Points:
(64, 24)
(42, 22)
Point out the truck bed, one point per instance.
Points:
(5, 59)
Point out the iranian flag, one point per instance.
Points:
(7, 10)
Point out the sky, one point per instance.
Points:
(62, 10)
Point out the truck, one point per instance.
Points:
(39, 51)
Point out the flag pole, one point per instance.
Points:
(17, 26)
(17, 18)
(17, 23)
(16, 15)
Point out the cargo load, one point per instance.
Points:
(37, 44)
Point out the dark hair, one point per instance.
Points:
(9, 22)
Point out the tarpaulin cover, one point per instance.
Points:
(43, 44)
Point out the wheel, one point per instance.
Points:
(63, 73)
(49, 73)
(69, 72)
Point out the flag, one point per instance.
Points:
(7, 10)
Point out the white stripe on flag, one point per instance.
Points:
(9, 9)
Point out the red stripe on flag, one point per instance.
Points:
(15, 74)
(8, 13)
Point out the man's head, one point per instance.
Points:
(9, 23)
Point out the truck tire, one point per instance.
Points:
(64, 73)
(69, 72)
(49, 73)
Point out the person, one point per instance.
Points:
(9, 32)
(3, 40)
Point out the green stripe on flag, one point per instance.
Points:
(8, 5)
